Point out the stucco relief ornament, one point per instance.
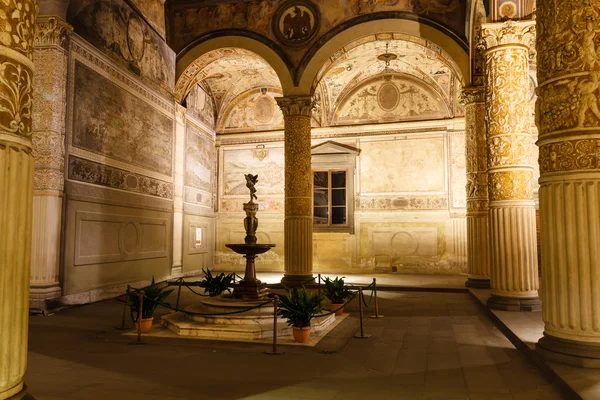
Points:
(296, 22)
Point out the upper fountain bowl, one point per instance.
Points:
(242, 248)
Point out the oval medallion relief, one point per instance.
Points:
(264, 109)
(388, 96)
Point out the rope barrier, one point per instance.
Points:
(370, 297)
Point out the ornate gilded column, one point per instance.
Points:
(48, 136)
(568, 119)
(513, 250)
(478, 247)
(16, 188)
(176, 268)
(298, 228)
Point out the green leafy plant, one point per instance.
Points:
(299, 307)
(215, 285)
(336, 290)
(153, 295)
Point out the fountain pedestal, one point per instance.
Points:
(250, 287)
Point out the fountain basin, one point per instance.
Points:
(250, 249)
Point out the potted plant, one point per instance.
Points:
(337, 293)
(153, 295)
(215, 285)
(299, 307)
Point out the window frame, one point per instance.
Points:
(330, 205)
(333, 156)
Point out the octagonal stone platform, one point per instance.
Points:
(250, 325)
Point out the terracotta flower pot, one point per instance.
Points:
(335, 306)
(145, 325)
(301, 334)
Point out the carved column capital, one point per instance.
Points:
(472, 94)
(51, 30)
(296, 105)
(508, 33)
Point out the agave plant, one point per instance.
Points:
(153, 296)
(336, 290)
(215, 285)
(299, 307)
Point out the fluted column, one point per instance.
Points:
(298, 228)
(48, 138)
(513, 249)
(177, 268)
(16, 188)
(478, 248)
(568, 121)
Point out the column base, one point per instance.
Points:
(295, 280)
(514, 303)
(477, 283)
(38, 295)
(22, 395)
(577, 354)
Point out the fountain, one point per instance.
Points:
(234, 323)
(250, 287)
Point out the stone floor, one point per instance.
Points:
(527, 328)
(428, 346)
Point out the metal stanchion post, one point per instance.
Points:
(360, 312)
(123, 327)
(274, 352)
(319, 285)
(178, 294)
(140, 316)
(376, 305)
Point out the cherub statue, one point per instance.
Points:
(250, 182)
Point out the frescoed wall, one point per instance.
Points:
(119, 32)
(409, 201)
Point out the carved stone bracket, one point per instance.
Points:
(52, 31)
(472, 94)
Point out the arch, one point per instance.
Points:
(372, 24)
(255, 43)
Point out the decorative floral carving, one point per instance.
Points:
(15, 98)
(511, 185)
(570, 155)
(402, 203)
(509, 32)
(507, 150)
(17, 18)
(296, 105)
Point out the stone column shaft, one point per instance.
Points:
(513, 250)
(48, 137)
(298, 225)
(478, 248)
(16, 189)
(177, 266)
(568, 121)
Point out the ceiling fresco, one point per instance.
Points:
(228, 73)
(243, 86)
(357, 63)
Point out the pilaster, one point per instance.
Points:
(48, 137)
(16, 187)
(478, 248)
(513, 250)
(180, 123)
(298, 225)
(568, 121)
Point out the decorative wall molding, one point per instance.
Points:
(104, 175)
(401, 203)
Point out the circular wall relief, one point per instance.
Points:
(388, 96)
(404, 244)
(296, 22)
(129, 235)
(135, 38)
(264, 109)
